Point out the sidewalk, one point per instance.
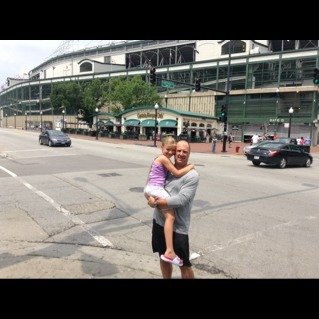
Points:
(235, 149)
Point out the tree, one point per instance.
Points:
(120, 93)
(129, 93)
(93, 97)
(68, 95)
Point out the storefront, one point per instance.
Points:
(145, 120)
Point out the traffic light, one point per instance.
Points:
(316, 76)
(223, 113)
(153, 76)
(197, 85)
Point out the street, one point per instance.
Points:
(80, 212)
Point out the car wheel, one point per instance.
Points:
(282, 163)
(308, 162)
(256, 163)
(40, 141)
(50, 143)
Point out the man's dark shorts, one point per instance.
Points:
(180, 242)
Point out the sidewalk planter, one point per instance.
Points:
(142, 137)
(104, 133)
(112, 135)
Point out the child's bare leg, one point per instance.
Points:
(168, 232)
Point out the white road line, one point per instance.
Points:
(99, 238)
(6, 154)
(34, 150)
(257, 234)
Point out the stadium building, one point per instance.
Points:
(259, 80)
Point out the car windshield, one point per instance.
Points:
(56, 134)
(270, 144)
(285, 140)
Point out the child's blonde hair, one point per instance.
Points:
(168, 140)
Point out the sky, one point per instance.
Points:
(18, 57)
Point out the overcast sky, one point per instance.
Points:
(21, 56)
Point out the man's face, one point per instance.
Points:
(181, 154)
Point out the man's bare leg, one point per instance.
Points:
(166, 269)
(187, 272)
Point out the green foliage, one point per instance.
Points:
(120, 93)
(130, 93)
(68, 95)
(93, 97)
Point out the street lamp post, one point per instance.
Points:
(41, 120)
(291, 111)
(26, 121)
(227, 95)
(97, 123)
(156, 106)
(80, 115)
(166, 100)
(63, 111)
(15, 120)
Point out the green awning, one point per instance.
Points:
(168, 123)
(132, 122)
(148, 123)
(104, 123)
(99, 123)
(108, 123)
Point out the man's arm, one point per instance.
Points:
(186, 194)
(172, 169)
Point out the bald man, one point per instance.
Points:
(182, 191)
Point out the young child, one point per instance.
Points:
(155, 188)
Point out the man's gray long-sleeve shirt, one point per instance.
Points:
(182, 191)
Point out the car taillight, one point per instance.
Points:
(272, 153)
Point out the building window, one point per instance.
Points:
(86, 67)
(236, 46)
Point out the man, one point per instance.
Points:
(182, 191)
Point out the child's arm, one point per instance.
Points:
(172, 169)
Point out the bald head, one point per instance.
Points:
(182, 154)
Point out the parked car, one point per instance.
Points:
(279, 154)
(54, 138)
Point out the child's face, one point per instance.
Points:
(169, 150)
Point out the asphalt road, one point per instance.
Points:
(79, 212)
